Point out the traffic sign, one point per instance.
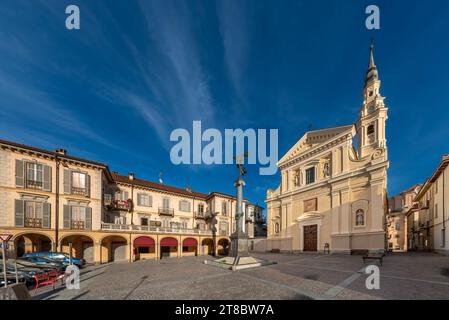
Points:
(5, 236)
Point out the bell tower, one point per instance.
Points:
(373, 113)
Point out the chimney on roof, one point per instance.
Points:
(131, 176)
(61, 151)
(188, 189)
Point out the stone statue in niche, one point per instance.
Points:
(326, 170)
(296, 178)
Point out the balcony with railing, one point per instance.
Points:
(115, 204)
(78, 191)
(141, 228)
(33, 222)
(166, 211)
(199, 215)
(33, 184)
(77, 224)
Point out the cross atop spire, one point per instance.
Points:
(371, 74)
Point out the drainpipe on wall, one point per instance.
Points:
(132, 204)
(57, 205)
(444, 218)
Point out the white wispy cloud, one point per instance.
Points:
(234, 32)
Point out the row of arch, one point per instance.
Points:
(116, 247)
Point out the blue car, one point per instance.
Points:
(57, 256)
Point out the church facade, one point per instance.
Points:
(333, 189)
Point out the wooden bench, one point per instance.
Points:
(374, 256)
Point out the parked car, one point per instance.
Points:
(27, 273)
(58, 256)
(11, 279)
(43, 263)
(46, 267)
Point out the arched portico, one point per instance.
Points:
(82, 246)
(32, 242)
(144, 248)
(114, 248)
(223, 246)
(208, 246)
(168, 247)
(190, 247)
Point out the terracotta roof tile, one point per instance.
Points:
(153, 185)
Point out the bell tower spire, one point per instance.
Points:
(373, 112)
(371, 74)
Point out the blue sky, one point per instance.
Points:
(114, 90)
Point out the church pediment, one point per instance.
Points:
(312, 140)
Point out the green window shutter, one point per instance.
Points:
(19, 213)
(87, 185)
(67, 182)
(88, 218)
(19, 173)
(46, 186)
(67, 217)
(46, 214)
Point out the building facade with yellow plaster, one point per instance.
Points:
(51, 200)
(428, 219)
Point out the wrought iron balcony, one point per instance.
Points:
(118, 204)
(78, 191)
(34, 184)
(33, 223)
(166, 211)
(77, 224)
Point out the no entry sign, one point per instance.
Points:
(5, 236)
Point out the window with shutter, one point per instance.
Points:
(88, 224)
(87, 193)
(184, 206)
(19, 213)
(67, 217)
(19, 173)
(34, 175)
(46, 215)
(47, 178)
(139, 199)
(67, 182)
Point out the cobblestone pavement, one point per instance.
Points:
(296, 276)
